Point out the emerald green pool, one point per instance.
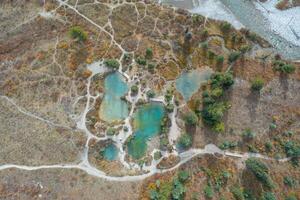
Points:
(112, 107)
(147, 121)
(189, 83)
(111, 152)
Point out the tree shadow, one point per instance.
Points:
(283, 80)
(250, 183)
(209, 135)
(252, 103)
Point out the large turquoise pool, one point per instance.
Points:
(147, 122)
(112, 107)
(189, 83)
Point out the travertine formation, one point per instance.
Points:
(52, 86)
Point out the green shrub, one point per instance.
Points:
(268, 146)
(244, 49)
(219, 127)
(149, 53)
(211, 55)
(111, 131)
(185, 141)
(208, 100)
(163, 142)
(253, 37)
(77, 33)
(178, 190)
(220, 60)
(168, 97)
(112, 63)
(292, 149)
(252, 148)
(228, 145)
(237, 193)
(141, 61)
(225, 27)
(260, 170)
(197, 19)
(183, 176)
(288, 133)
(134, 89)
(224, 80)
(154, 195)
(234, 56)
(248, 134)
(208, 192)
(157, 155)
(151, 67)
(273, 126)
(163, 191)
(190, 119)
(216, 92)
(291, 197)
(257, 84)
(283, 67)
(127, 57)
(170, 108)
(268, 196)
(204, 46)
(289, 181)
(213, 113)
(150, 94)
(204, 33)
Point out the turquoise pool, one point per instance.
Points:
(147, 122)
(189, 83)
(112, 107)
(111, 152)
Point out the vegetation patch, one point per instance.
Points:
(112, 64)
(78, 33)
(214, 106)
(260, 171)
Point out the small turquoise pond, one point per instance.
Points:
(189, 83)
(147, 121)
(111, 152)
(112, 107)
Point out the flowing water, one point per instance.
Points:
(112, 107)
(147, 121)
(241, 13)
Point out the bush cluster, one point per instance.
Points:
(292, 150)
(289, 181)
(170, 189)
(257, 84)
(112, 63)
(149, 53)
(260, 171)
(213, 107)
(185, 141)
(283, 67)
(77, 33)
(234, 56)
(228, 145)
(208, 192)
(225, 27)
(190, 119)
(268, 196)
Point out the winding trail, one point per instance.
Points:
(25, 112)
(185, 157)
